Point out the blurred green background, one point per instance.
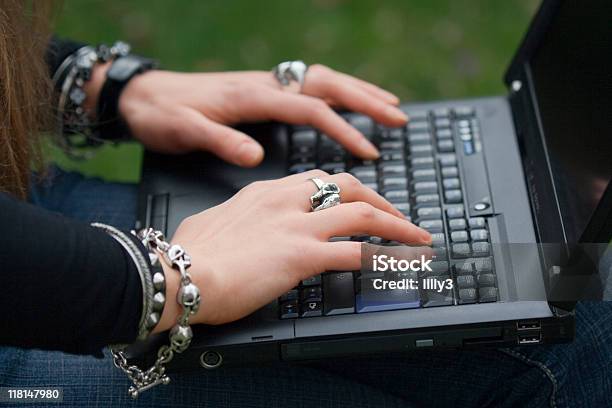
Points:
(419, 49)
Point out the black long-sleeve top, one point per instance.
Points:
(64, 284)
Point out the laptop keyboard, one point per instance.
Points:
(419, 173)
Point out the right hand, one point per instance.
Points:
(262, 242)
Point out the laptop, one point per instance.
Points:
(513, 188)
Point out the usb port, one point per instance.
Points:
(535, 338)
(528, 325)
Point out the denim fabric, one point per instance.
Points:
(569, 375)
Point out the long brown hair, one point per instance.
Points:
(24, 89)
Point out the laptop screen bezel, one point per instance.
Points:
(530, 130)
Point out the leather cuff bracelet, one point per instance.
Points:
(110, 125)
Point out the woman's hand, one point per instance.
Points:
(176, 112)
(263, 241)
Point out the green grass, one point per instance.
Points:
(419, 49)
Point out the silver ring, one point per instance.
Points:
(327, 196)
(291, 75)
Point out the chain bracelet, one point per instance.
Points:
(180, 335)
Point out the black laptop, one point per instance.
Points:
(513, 188)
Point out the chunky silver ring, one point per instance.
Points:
(327, 196)
(291, 74)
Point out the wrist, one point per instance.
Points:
(93, 88)
(172, 309)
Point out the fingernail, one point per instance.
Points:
(249, 153)
(425, 237)
(396, 114)
(369, 149)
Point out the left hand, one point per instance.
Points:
(175, 112)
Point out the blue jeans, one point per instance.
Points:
(567, 375)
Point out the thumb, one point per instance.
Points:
(229, 144)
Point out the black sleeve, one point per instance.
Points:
(64, 284)
(58, 50)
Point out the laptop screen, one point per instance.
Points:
(572, 81)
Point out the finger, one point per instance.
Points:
(351, 190)
(345, 93)
(306, 110)
(341, 256)
(372, 89)
(227, 143)
(359, 218)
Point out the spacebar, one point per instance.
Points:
(381, 300)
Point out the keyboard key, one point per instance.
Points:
(362, 123)
(464, 111)
(391, 145)
(304, 138)
(450, 171)
(422, 162)
(419, 138)
(459, 236)
(487, 294)
(397, 196)
(438, 239)
(431, 225)
(446, 146)
(461, 250)
(424, 175)
(311, 293)
(442, 123)
(486, 279)
(391, 134)
(390, 155)
(466, 281)
(289, 310)
(422, 200)
(393, 169)
(467, 296)
(455, 211)
(483, 265)
(291, 295)
(441, 112)
(444, 134)
(419, 126)
(464, 268)
(451, 183)
(480, 249)
(453, 196)
(301, 168)
(339, 293)
(447, 159)
(399, 182)
(312, 281)
(420, 150)
(404, 208)
(381, 300)
(417, 116)
(479, 235)
(477, 222)
(429, 213)
(436, 297)
(439, 268)
(424, 187)
(439, 252)
(311, 308)
(457, 224)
